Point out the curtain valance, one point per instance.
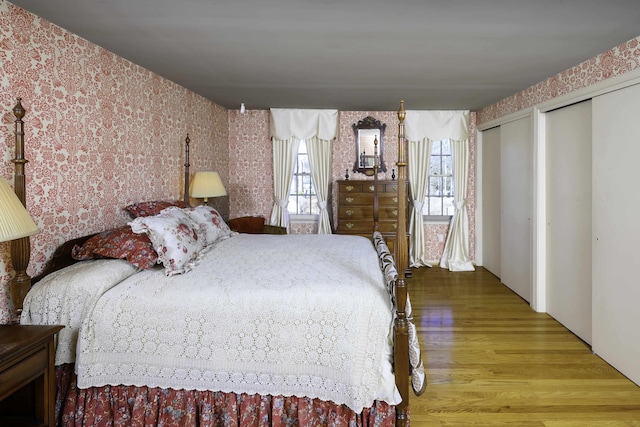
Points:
(437, 125)
(303, 124)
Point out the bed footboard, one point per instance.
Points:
(401, 332)
(407, 361)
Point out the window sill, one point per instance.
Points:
(293, 218)
(437, 220)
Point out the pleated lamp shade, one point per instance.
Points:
(207, 184)
(15, 222)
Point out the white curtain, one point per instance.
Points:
(421, 126)
(419, 155)
(456, 250)
(285, 153)
(287, 128)
(319, 151)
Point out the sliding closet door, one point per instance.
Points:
(568, 199)
(616, 230)
(491, 200)
(516, 177)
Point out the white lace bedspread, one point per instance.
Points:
(304, 315)
(66, 296)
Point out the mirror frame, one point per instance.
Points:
(369, 124)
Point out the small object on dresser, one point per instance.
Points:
(346, 175)
(393, 174)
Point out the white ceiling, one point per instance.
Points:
(353, 55)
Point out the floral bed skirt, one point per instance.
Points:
(130, 406)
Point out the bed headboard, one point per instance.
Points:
(21, 248)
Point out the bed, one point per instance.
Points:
(210, 333)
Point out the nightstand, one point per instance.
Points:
(27, 376)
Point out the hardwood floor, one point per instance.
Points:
(492, 361)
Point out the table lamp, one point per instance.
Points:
(206, 184)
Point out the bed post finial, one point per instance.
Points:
(185, 196)
(18, 110)
(401, 325)
(21, 248)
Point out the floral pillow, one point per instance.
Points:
(209, 222)
(119, 243)
(174, 237)
(153, 207)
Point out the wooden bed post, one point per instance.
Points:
(401, 328)
(20, 248)
(186, 169)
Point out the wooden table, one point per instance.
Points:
(27, 376)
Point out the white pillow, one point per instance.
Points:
(210, 223)
(174, 236)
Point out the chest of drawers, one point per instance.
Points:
(355, 209)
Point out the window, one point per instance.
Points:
(439, 198)
(302, 198)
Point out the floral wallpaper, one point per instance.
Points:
(100, 133)
(250, 185)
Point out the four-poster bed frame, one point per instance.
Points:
(20, 252)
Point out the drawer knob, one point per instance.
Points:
(395, 200)
(349, 199)
(371, 188)
(349, 212)
(349, 188)
(395, 212)
(349, 225)
(395, 225)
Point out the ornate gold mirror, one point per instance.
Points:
(367, 132)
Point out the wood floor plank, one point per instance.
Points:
(492, 361)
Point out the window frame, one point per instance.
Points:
(313, 198)
(439, 218)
